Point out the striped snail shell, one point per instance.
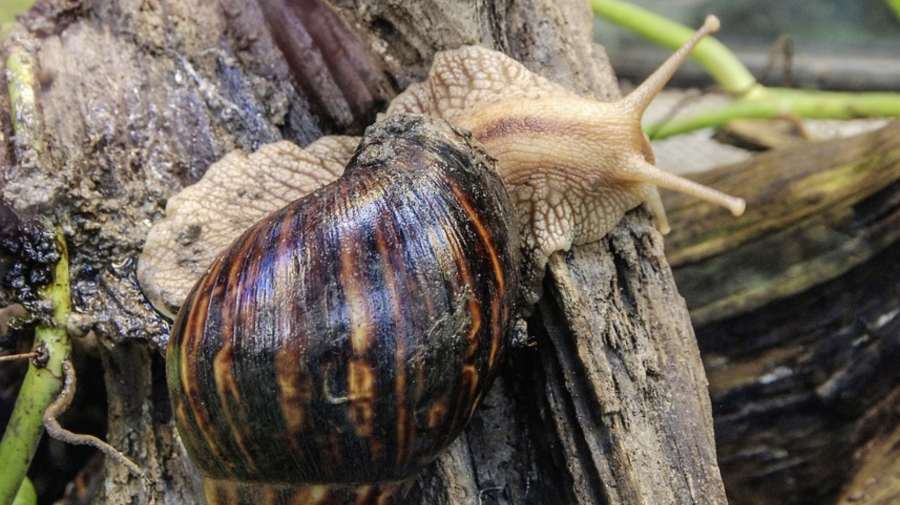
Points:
(345, 340)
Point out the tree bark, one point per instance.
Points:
(137, 98)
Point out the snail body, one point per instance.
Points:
(342, 342)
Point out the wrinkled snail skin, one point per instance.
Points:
(340, 344)
(573, 165)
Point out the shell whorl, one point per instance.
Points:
(349, 337)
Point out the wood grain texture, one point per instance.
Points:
(825, 207)
(801, 337)
(631, 382)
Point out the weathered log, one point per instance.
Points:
(797, 308)
(136, 99)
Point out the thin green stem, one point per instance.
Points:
(41, 385)
(783, 102)
(753, 99)
(21, 86)
(721, 64)
(26, 494)
(11, 8)
(895, 6)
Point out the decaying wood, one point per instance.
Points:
(876, 477)
(137, 98)
(798, 305)
(814, 211)
(632, 380)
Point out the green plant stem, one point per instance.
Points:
(10, 8)
(26, 494)
(718, 61)
(895, 6)
(783, 102)
(21, 86)
(753, 99)
(41, 385)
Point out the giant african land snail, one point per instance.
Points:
(362, 390)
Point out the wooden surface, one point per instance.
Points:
(814, 212)
(608, 404)
(797, 306)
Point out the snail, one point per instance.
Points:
(353, 417)
(344, 341)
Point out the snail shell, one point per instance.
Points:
(346, 339)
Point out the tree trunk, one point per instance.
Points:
(135, 99)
